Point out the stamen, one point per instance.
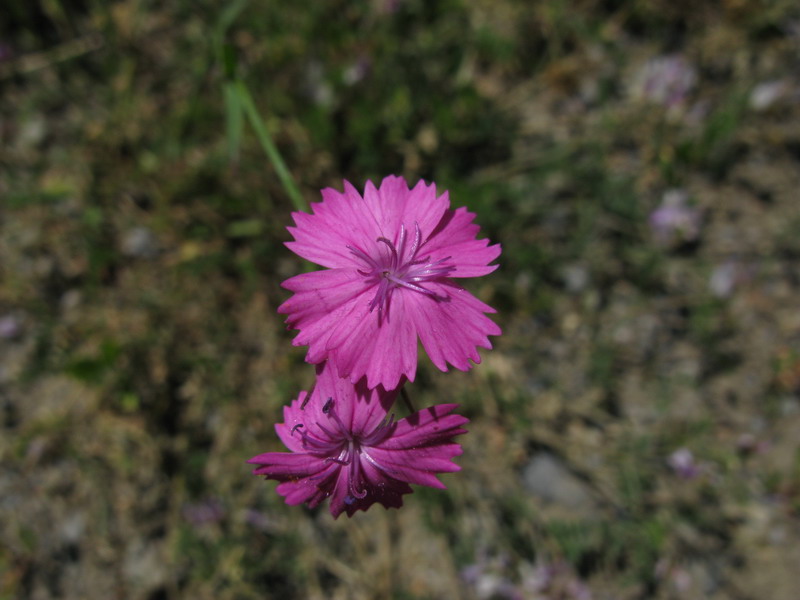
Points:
(400, 266)
(344, 448)
(326, 431)
(417, 238)
(318, 445)
(392, 249)
(328, 410)
(307, 399)
(363, 256)
(378, 434)
(411, 286)
(355, 477)
(381, 296)
(376, 464)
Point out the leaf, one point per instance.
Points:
(234, 120)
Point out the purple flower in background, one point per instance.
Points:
(682, 462)
(391, 257)
(6, 51)
(678, 576)
(10, 327)
(747, 443)
(357, 71)
(543, 581)
(665, 80)
(555, 580)
(256, 518)
(725, 277)
(674, 220)
(390, 6)
(206, 512)
(344, 446)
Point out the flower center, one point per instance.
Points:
(392, 266)
(344, 448)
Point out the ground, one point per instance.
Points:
(633, 432)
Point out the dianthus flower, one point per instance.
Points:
(344, 446)
(391, 257)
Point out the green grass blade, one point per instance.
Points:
(269, 147)
(234, 120)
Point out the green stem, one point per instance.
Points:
(269, 148)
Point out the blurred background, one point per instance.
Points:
(634, 432)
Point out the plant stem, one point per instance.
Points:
(269, 148)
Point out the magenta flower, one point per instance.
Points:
(344, 447)
(391, 257)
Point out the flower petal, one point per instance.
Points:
(451, 330)
(360, 409)
(293, 418)
(454, 237)
(430, 426)
(311, 490)
(379, 346)
(393, 205)
(341, 492)
(284, 466)
(418, 467)
(379, 488)
(421, 446)
(323, 301)
(337, 222)
(424, 208)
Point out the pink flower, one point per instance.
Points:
(344, 446)
(391, 257)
